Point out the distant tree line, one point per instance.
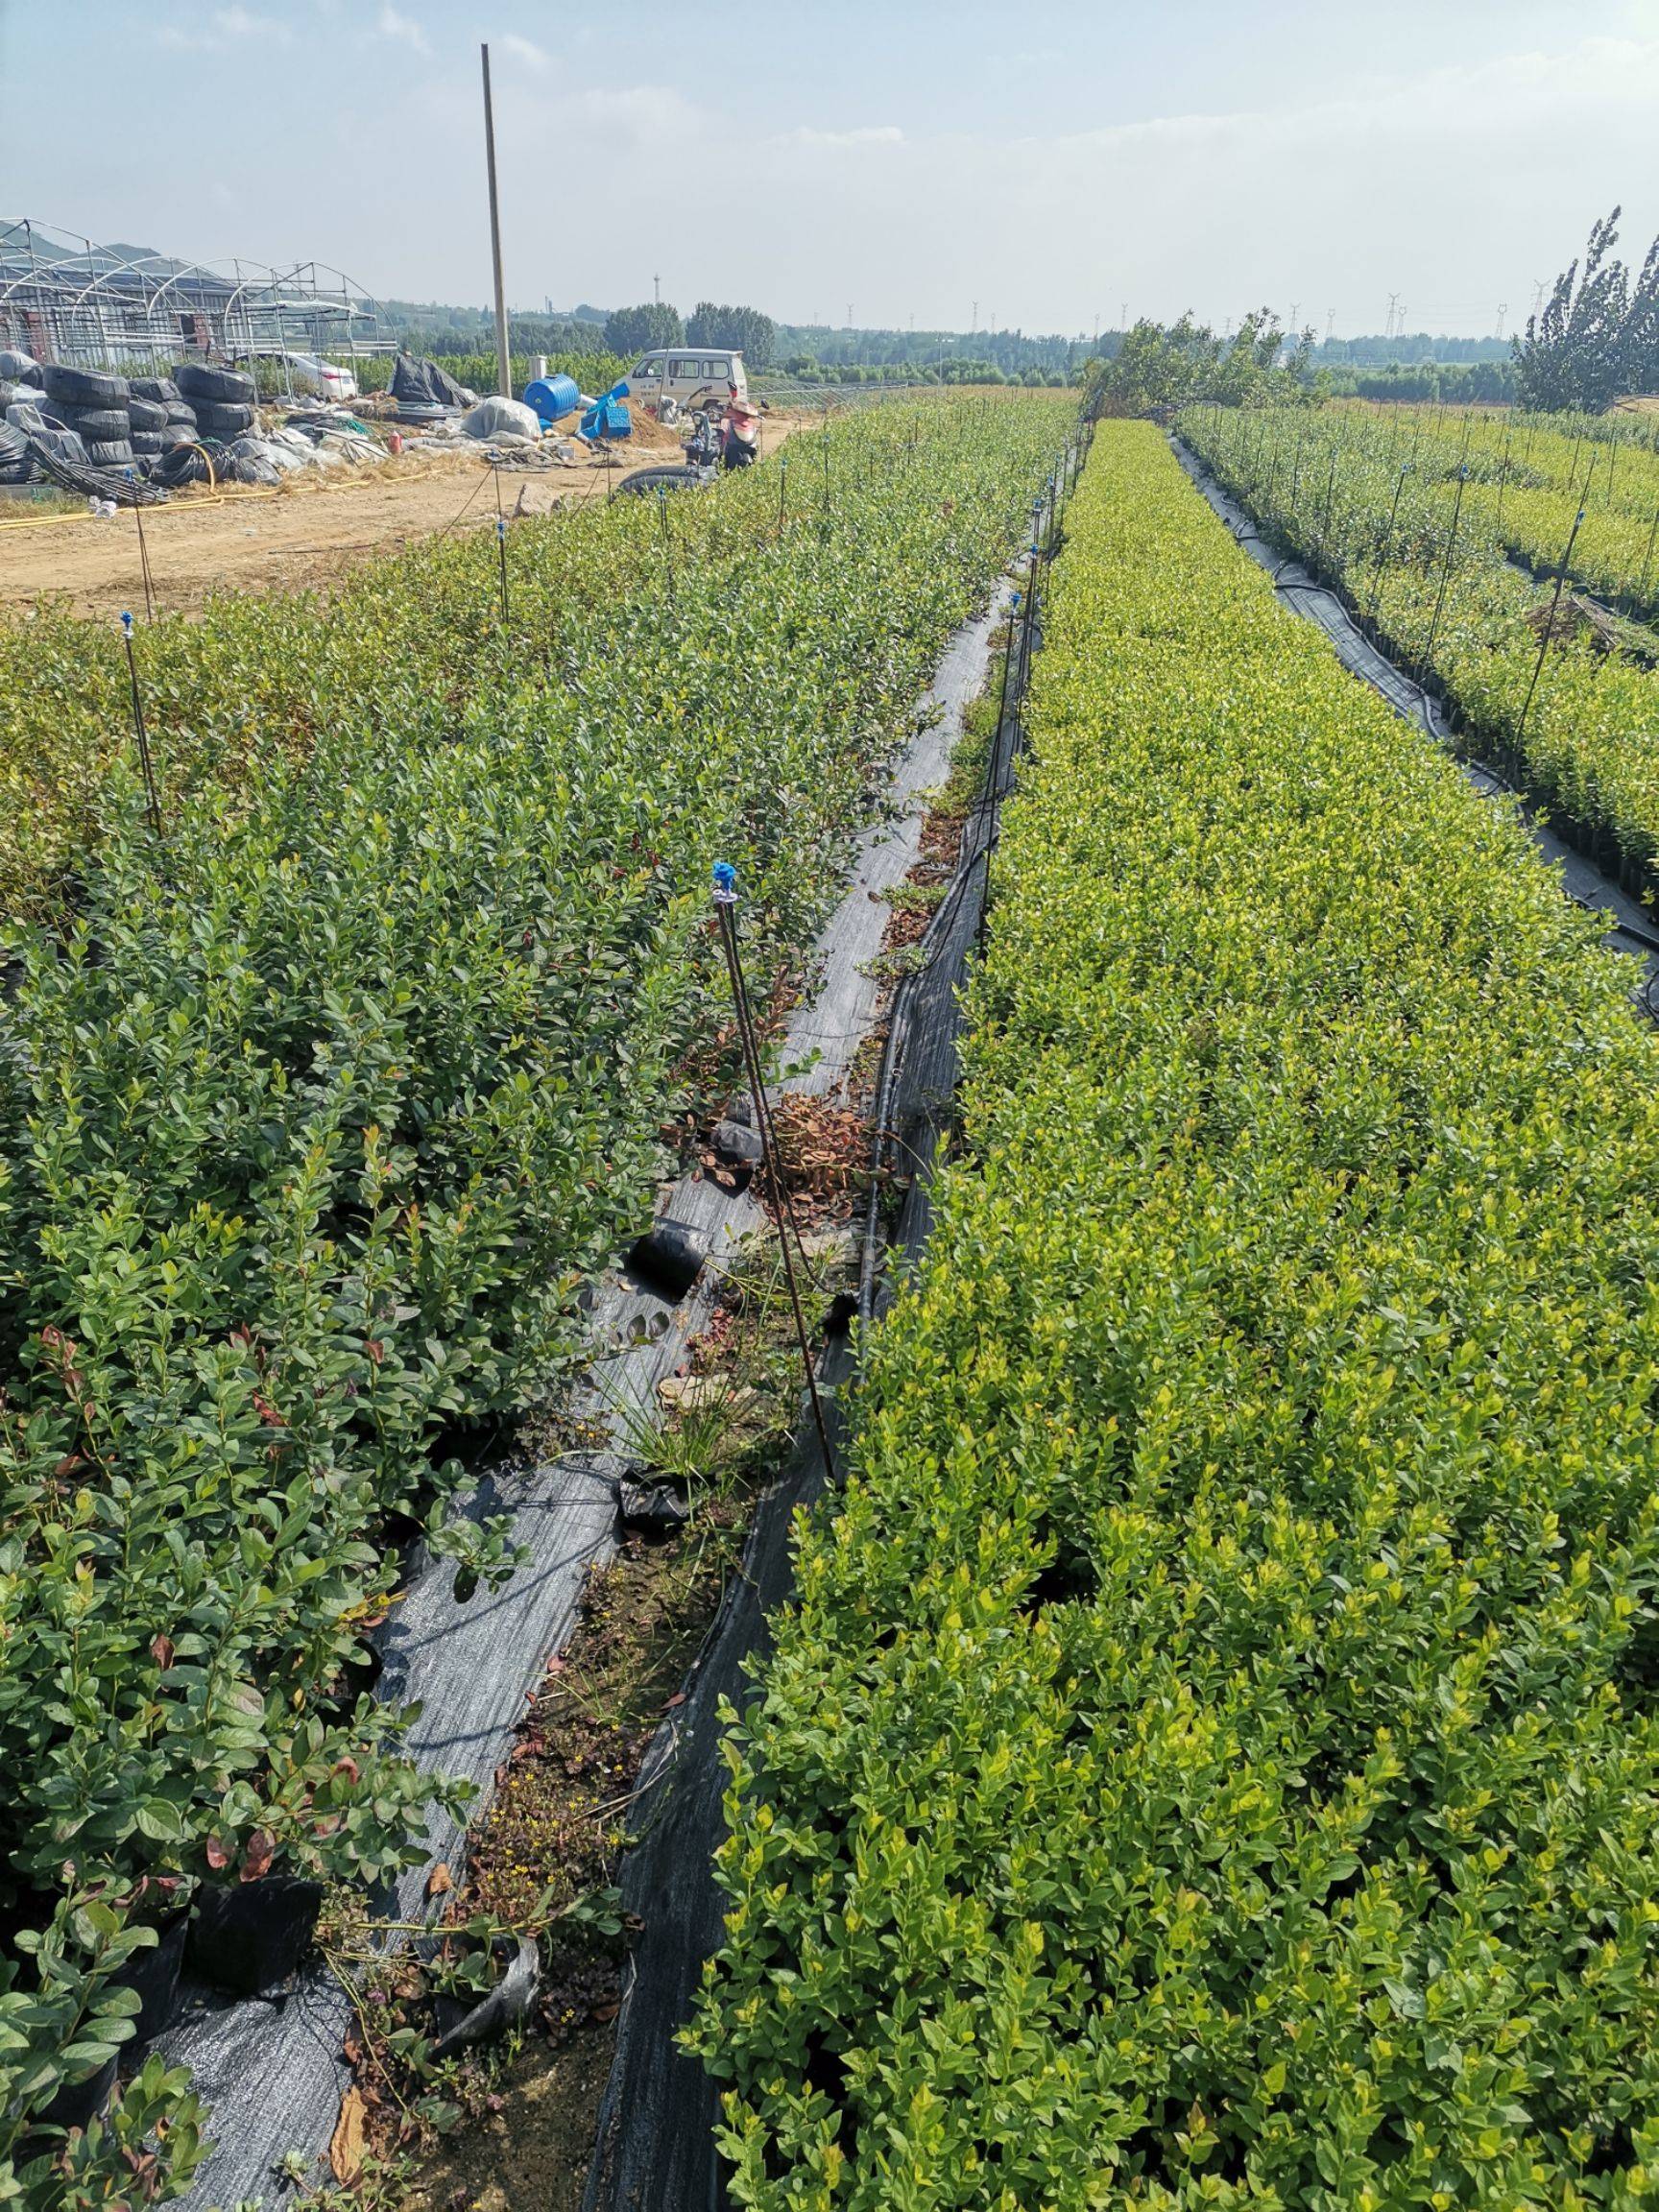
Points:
(1479, 383)
(434, 330)
(1410, 349)
(745, 330)
(1597, 337)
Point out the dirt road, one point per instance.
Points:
(307, 535)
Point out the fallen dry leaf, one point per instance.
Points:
(439, 1881)
(346, 2144)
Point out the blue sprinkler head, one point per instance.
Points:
(127, 624)
(724, 883)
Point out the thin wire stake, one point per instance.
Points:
(1007, 657)
(502, 548)
(144, 564)
(1387, 539)
(1549, 628)
(1648, 561)
(725, 902)
(152, 803)
(783, 480)
(667, 539)
(1445, 573)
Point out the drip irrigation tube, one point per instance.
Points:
(1586, 884)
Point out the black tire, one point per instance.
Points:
(84, 387)
(647, 480)
(98, 426)
(180, 412)
(218, 387)
(147, 441)
(116, 454)
(177, 434)
(161, 391)
(146, 414)
(216, 421)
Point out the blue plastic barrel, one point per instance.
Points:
(552, 396)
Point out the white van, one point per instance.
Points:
(690, 376)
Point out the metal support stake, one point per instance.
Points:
(782, 482)
(144, 563)
(1549, 630)
(153, 803)
(1648, 562)
(668, 540)
(502, 548)
(1445, 574)
(1388, 537)
(725, 903)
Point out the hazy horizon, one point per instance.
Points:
(944, 165)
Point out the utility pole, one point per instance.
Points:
(1503, 312)
(503, 352)
(657, 290)
(974, 324)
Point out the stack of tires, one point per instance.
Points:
(95, 406)
(223, 399)
(160, 413)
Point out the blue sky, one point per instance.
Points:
(1048, 161)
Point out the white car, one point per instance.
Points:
(313, 375)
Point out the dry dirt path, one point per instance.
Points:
(305, 535)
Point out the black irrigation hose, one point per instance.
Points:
(94, 483)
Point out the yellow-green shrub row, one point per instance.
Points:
(1372, 507)
(1213, 1759)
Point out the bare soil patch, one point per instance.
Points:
(306, 536)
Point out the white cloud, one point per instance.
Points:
(392, 25)
(524, 50)
(223, 29)
(867, 135)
